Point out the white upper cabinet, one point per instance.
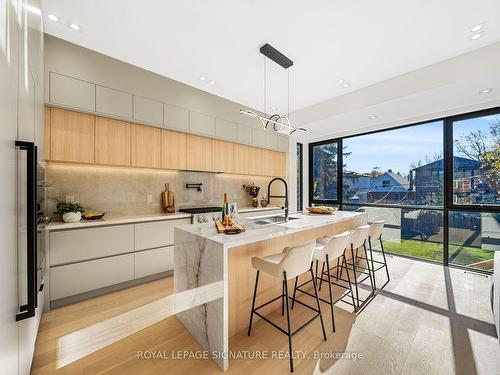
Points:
(113, 102)
(71, 92)
(244, 134)
(282, 143)
(175, 118)
(226, 129)
(148, 111)
(201, 124)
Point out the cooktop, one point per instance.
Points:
(200, 210)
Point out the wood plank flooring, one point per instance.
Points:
(427, 320)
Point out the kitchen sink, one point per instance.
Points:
(273, 220)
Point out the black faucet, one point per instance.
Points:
(269, 196)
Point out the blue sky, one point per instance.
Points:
(397, 149)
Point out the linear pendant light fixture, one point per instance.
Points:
(277, 120)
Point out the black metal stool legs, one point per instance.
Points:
(289, 330)
(253, 303)
(355, 276)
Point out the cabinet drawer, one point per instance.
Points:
(175, 117)
(82, 277)
(225, 129)
(201, 124)
(154, 261)
(113, 102)
(71, 92)
(156, 233)
(83, 244)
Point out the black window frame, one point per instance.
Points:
(448, 204)
(339, 173)
(300, 178)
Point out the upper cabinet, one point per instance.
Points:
(175, 117)
(201, 124)
(226, 129)
(148, 111)
(71, 136)
(71, 92)
(113, 102)
(199, 153)
(146, 146)
(173, 150)
(112, 142)
(222, 156)
(82, 138)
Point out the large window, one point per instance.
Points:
(435, 184)
(476, 160)
(300, 171)
(323, 170)
(402, 166)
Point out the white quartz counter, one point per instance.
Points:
(254, 232)
(115, 220)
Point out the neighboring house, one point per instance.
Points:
(389, 188)
(356, 187)
(427, 180)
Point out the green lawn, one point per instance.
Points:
(434, 251)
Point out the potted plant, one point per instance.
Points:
(253, 190)
(71, 211)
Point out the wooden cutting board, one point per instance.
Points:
(220, 226)
(167, 200)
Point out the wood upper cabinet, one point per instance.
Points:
(267, 163)
(222, 156)
(255, 160)
(240, 159)
(71, 136)
(146, 146)
(279, 165)
(173, 150)
(199, 153)
(112, 142)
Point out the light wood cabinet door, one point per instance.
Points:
(112, 142)
(268, 161)
(146, 146)
(199, 153)
(47, 133)
(255, 160)
(279, 166)
(71, 136)
(173, 150)
(222, 156)
(240, 159)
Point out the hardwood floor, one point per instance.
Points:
(427, 320)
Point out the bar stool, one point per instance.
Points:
(291, 263)
(375, 234)
(329, 249)
(359, 239)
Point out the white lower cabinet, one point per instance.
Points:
(156, 233)
(153, 261)
(82, 277)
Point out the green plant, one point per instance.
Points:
(64, 207)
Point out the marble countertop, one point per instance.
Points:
(130, 219)
(254, 232)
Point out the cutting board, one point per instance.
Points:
(167, 200)
(220, 226)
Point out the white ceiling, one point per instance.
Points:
(363, 41)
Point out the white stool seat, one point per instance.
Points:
(293, 261)
(333, 246)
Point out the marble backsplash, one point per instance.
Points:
(124, 191)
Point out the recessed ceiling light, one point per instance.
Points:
(274, 108)
(476, 28)
(53, 17)
(211, 82)
(372, 117)
(74, 26)
(341, 81)
(345, 85)
(476, 36)
(485, 91)
(202, 78)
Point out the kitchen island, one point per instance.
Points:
(214, 279)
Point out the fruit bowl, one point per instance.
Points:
(321, 210)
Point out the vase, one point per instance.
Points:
(263, 202)
(255, 202)
(72, 217)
